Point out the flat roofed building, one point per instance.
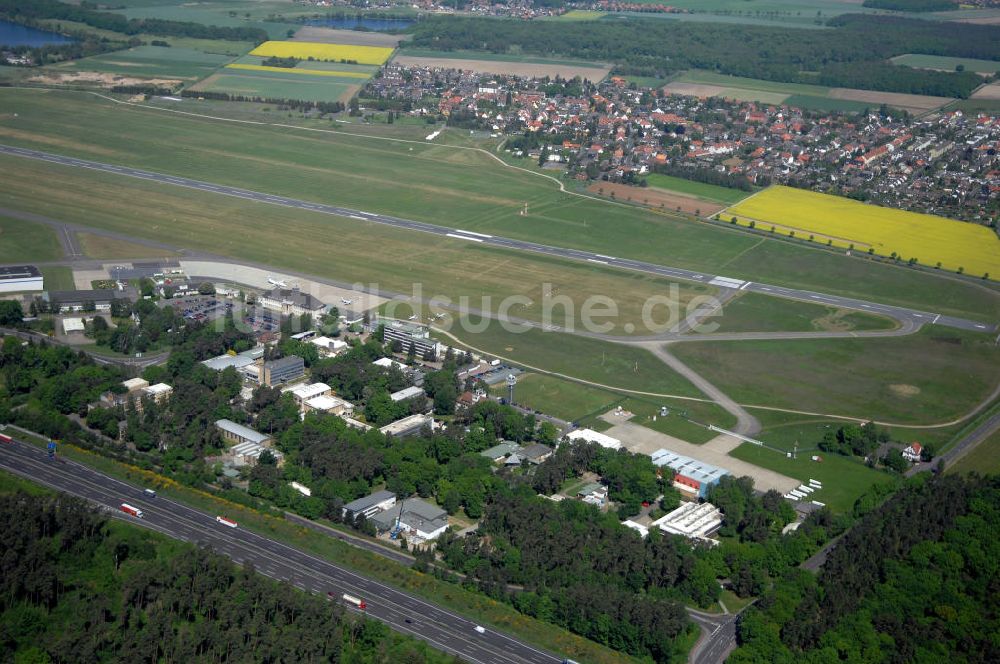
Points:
(283, 370)
(303, 393)
(328, 404)
(291, 302)
(71, 325)
(135, 384)
(591, 436)
(248, 454)
(236, 360)
(389, 363)
(328, 346)
(78, 300)
(637, 527)
(20, 278)
(407, 393)
(159, 392)
(408, 426)
(369, 505)
(692, 520)
(693, 477)
(408, 334)
(237, 433)
(416, 518)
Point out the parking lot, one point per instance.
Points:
(199, 307)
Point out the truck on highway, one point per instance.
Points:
(4, 438)
(129, 509)
(356, 602)
(226, 522)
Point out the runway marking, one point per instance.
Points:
(459, 230)
(935, 319)
(594, 260)
(463, 237)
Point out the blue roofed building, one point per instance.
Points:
(693, 478)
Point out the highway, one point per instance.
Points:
(915, 316)
(403, 612)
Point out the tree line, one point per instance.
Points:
(296, 104)
(77, 587)
(851, 54)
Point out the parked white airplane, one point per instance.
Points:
(276, 282)
(344, 300)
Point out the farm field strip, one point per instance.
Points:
(594, 74)
(365, 55)
(946, 63)
(296, 71)
(886, 231)
(428, 182)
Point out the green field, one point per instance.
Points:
(436, 182)
(844, 479)
(676, 422)
(274, 16)
(608, 365)
(273, 85)
(929, 377)
(753, 312)
(23, 241)
(558, 397)
(811, 97)
(709, 192)
(984, 459)
(57, 278)
(579, 15)
(817, 103)
(152, 61)
(946, 63)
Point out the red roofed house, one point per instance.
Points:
(912, 453)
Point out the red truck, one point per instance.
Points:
(226, 522)
(4, 438)
(134, 511)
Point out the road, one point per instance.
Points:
(718, 637)
(899, 313)
(403, 612)
(138, 362)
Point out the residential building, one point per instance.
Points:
(291, 302)
(693, 478)
(20, 278)
(408, 426)
(498, 453)
(591, 436)
(536, 453)
(237, 433)
(913, 452)
(408, 334)
(418, 520)
(368, 506)
(594, 493)
(692, 520)
(282, 370)
(407, 393)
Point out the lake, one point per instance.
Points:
(12, 34)
(352, 22)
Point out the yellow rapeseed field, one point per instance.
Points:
(364, 55)
(845, 222)
(308, 72)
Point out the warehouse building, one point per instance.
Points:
(692, 520)
(20, 278)
(407, 393)
(418, 520)
(369, 505)
(237, 433)
(693, 478)
(408, 426)
(591, 436)
(81, 300)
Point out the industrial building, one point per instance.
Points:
(238, 361)
(692, 520)
(303, 393)
(237, 433)
(418, 520)
(369, 506)
(20, 278)
(291, 302)
(248, 454)
(591, 436)
(283, 370)
(408, 334)
(407, 393)
(693, 478)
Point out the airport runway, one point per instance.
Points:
(403, 612)
(899, 313)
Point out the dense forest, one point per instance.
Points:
(76, 587)
(916, 580)
(29, 13)
(851, 54)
